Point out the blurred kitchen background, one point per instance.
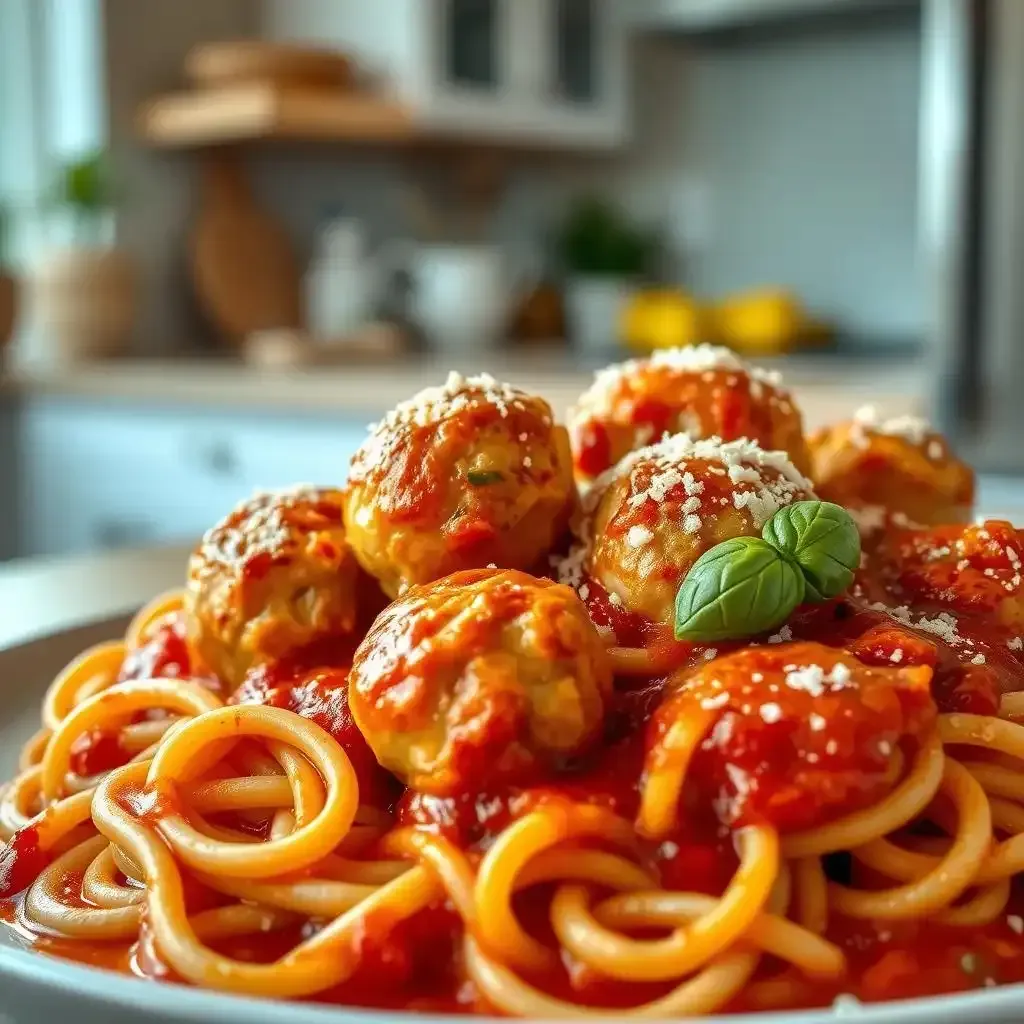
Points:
(232, 232)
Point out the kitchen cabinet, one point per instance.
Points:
(549, 72)
(96, 476)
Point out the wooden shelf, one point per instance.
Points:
(261, 111)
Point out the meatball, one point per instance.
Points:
(463, 476)
(647, 520)
(799, 733)
(321, 695)
(970, 570)
(272, 579)
(891, 471)
(484, 676)
(702, 391)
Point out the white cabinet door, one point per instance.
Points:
(550, 71)
(530, 71)
(97, 477)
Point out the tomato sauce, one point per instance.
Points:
(909, 672)
(21, 861)
(321, 695)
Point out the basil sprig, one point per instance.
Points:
(807, 552)
(824, 542)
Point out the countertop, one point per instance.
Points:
(40, 596)
(367, 389)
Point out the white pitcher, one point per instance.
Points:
(461, 293)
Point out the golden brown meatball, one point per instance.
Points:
(702, 391)
(975, 571)
(897, 470)
(797, 734)
(460, 477)
(482, 676)
(269, 580)
(651, 517)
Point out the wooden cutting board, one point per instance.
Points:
(8, 306)
(212, 65)
(244, 268)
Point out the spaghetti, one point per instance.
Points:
(569, 825)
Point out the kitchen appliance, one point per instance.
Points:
(972, 221)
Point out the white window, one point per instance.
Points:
(51, 84)
(20, 171)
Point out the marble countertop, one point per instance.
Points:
(41, 596)
(362, 389)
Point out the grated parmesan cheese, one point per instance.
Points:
(434, 404)
(869, 519)
(638, 536)
(611, 383)
(910, 428)
(771, 713)
(713, 703)
(813, 679)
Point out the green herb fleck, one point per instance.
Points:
(483, 477)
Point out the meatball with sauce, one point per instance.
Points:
(974, 572)
(462, 476)
(799, 733)
(321, 695)
(484, 676)
(897, 471)
(703, 391)
(271, 580)
(647, 520)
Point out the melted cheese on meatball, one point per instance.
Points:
(801, 732)
(647, 520)
(480, 677)
(461, 476)
(891, 472)
(273, 577)
(704, 391)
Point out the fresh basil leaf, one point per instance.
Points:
(822, 539)
(739, 588)
(483, 477)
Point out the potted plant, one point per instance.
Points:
(8, 287)
(84, 294)
(604, 257)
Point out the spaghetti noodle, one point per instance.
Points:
(569, 826)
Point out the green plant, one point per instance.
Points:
(808, 551)
(596, 238)
(85, 190)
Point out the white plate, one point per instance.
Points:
(36, 988)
